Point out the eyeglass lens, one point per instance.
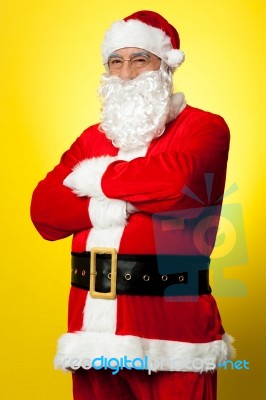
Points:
(116, 63)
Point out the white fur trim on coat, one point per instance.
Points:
(163, 355)
(229, 340)
(178, 103)
(134, 33)
(85, 179)
(128, 155)
(107, 237)
(100, 315)
(110, 236)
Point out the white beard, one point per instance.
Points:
(135, 112)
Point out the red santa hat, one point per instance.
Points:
(145, 30)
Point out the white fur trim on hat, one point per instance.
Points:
(134, 33)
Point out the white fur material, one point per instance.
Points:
(98, 337)
(85, 179)
(163, 355)
(175, 57)
(134, 33)
(128, 155)
(110, 236)
(178, 103)
(107, 237)
(229, 340)
(105, 213)
(100, 315)
(102, 235)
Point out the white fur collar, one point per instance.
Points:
(178, 103)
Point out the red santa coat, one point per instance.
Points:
(155, 181)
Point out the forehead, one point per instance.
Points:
(128, 52)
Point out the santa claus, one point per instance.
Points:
(143, 323)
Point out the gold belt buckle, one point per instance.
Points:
(93, 272)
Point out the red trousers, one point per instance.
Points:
(139, 385)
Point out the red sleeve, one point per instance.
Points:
(55, 211)
(155, 183)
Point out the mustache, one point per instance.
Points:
(111, 83)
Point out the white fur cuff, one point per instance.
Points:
(85, 180)
(105, 213)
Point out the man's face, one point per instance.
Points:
(129, 62)
(136, 98)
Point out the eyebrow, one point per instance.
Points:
(135, 54)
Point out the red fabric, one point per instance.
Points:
(55, 211)
(138, 385)
(195, 322)
(157, 21)
(77, 298)
(194, 144)
(153, 317)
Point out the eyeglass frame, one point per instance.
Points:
(146, 55)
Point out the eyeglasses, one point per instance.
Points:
(116, 63)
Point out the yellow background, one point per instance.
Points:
(50, 68)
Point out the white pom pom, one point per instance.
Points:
(175, 58)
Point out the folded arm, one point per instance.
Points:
(158, 183)
(164, 181)
(56, 212)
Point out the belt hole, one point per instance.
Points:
(128, 277)
(164, 278)
(109, 276)
(146, 278)
(83, 273)
(181, 278)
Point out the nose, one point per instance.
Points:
(126, 72)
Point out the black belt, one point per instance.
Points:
(158, 275)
